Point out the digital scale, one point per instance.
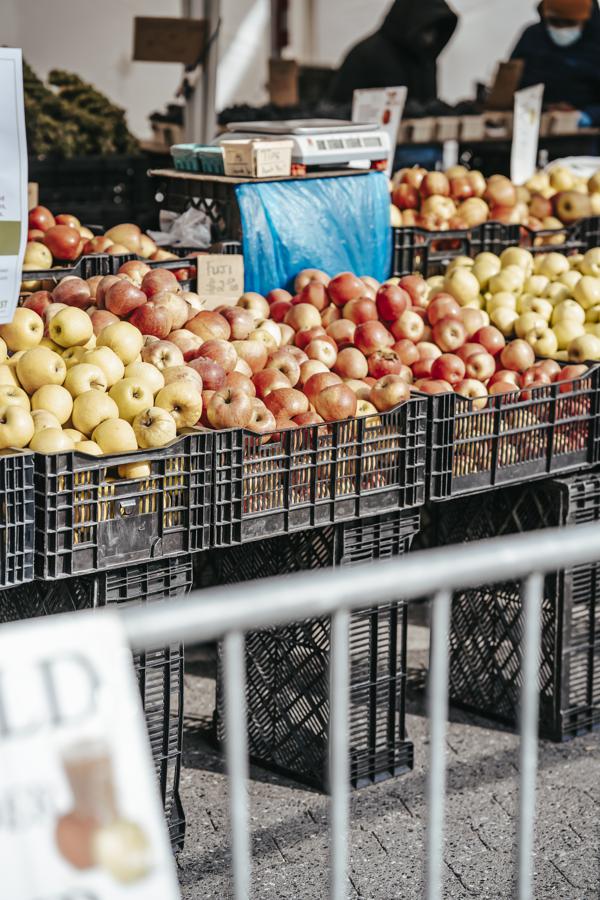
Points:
(322, 143)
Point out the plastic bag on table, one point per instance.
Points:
(190, 229)
(334, 224)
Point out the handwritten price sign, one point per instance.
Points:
(220, 279)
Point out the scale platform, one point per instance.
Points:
(322, 143)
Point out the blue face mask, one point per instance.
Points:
(565, 37)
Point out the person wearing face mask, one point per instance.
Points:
(563, 53)
(403, 51)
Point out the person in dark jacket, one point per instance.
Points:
(403, 51)
(563, 52)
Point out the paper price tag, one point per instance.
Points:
(384, 106)
(526, 133)
(220, 278)
(13, 180)
(80, 812)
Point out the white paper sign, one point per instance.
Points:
(526, 133)
(80, 812)
(384, 106)
(13, 180)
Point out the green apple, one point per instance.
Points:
(585, 347)
(566, 331)
(568, 309)
(587, 291)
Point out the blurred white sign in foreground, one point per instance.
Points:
(80, 812)
(526, 133)
(384, 107)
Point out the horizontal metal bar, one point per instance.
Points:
(208, 614)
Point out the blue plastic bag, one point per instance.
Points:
(337, 224)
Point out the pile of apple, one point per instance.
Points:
(62, 239)
(552, 301)
(461, 199)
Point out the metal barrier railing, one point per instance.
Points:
(229, 612)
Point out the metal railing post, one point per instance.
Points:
(532, 608)
(437, 703)
(236, 756)
(339, 759)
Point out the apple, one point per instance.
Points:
(529, 321)
(550, 366)
(72, 355)
(568, 374)
(474, 211)
(285, 362)
(406, 351)
(536, 305)
(8, 376)
(278, 310)
(154, 427)
(51, 440)
(583, 348)
(360, 310)
(85, 377)
(287, 334)
(462, 285)
(255, 304)
(448, 367)
(566, 330)
(461, 188)
(504, 319)
(384, 362)
(473, 390)
(212, 373)
(323, 349)
(41, 218)
(517, 356)
(491, 339)
(124, 339)
(351, 363)
(231, 408)
(262, 420)
(314, 293)
(449, 334)
(413, 176)
(16, 427)
(240, 382)
(53, 398)
(157, 280)
(42, 419)
(270, 327)
(503, 387)
(132, 396)
(183, 401)
(372, 336)
(101, 318)
(307, 275)
(342, 332)
(473, 319)
(344, 287)
(173, 373)
(417, 289)
(336, 402)
(303, 338)
(277, 295)
(241, 322)
(188, 343)
(360, 388)
(209, 325)
(480, 366)
(221, 352)
(71, 327)
(286, 402)
(39, 301)
(409, 326)
(590, 262)
(505, 375)
(405, 196)
(11, 394)
(115, 436)
(500, 191)
(73, 291)
(318, 382)
(175, 305)
(302, 317)
(587, 291)
(391, 301)
(63, 242)
(543, 341)
(435, 183)
(37, 256)
(135, 269)
(253, 352)
(570, 206)
(269, 380)
(24, 332)
(433, 386)
(442, 306)
(40, 366)
(552, 265)
(310, 367)
(310, 418)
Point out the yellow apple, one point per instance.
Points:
(462, 285)
(46, 342)
(538, 305)
(3, 351)
(502, 298)
(16, 427)
(562, 178)
(536, 284)
(543, 341)
(154, 427)
(576, 261)
(587, 291)
(585, 347)
(73, 356)
(183, 401)
(89, 447)
(14, 359)
(568, 309)
(538, 182)
(134, 470)
(557, 292)
(8, 376)
(149, 374)
(51, 440)
(553, 264)
(85, 377)
(107, 360)
(55, 399)
(132, 396)
(38, 367)
(489, 259)
(124, 338)
(460, 262)
(92, 408)
(71, 327)
(592, 314)
(76, 436)
(11, 395)
(517, 256)
(566, 331)
(510, 279)
(24, 332)
(436, 283)
(115, 436)
(483, 271)
(504, 319)
(44, 419)
(37, 256)
(527, 322)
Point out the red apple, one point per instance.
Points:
(435, 184)
(344, 287)
(220, 351)
(461, 188)
(480, 366)
(241, 322)
(241, 382)
(213, 375)
(278, 310)
(310, 367)
(384, 362)
(502, 387)
(568, 374)
(442, 306)
(407, 351)
(150, 318)
(336, 402)
(417, 289)
(500, 191)
(314, 293)
(433, 386)
(324, 349)
(491, 338)
(229, 408)
(428, 350)
(306, 336)
(318, 382)
(449, 334)
(392, 301)
(469, 349)
(309, 418)
(285, 362)
(351, 363)
(534, 376)
(409, 326)
(342, 332)
(372, 336)
(286, 402)
(405, 196)
(123, 297)
(472, 319)
(414, 176)
(157, 280)
(388, 392)
(73, 291)
(39, 301)
(268, 380)
(448, 367)
(135, 269)
(518, 355)
(303, 317)
(99, 244)
(360, 310)
(278, 295)
(501, 376)
(255, 353)
(330, 315)
(209, 325)
(550, 366)
(188, 343)
(63, 242)
(102, 318)
(307, 275)
(41, 218)
(473, 390)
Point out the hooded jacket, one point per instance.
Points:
(570, 74)
(403, 51)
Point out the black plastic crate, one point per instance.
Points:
(89, 519)
(159, 671)
(16, 517)
(428, 252)
(487, 622)
(288, 668)
(214, 197)
(313, 475)
(472, 450)
(576, 238)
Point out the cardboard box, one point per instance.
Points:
(257, 158)
(162, 39)
(283, 82)
(220, 279)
